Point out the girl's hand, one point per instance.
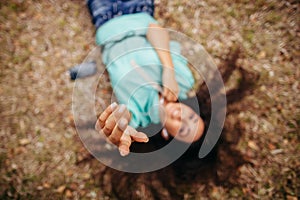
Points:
(113, 122)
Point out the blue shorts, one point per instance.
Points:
(104, 10)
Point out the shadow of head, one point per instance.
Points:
(220, 166)
(222, 163)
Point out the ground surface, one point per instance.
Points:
(42, 158)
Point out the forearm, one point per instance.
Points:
(166, 59)
(159, 39)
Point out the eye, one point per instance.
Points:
(196, 120)
(191, 116)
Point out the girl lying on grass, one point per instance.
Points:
(148, 75)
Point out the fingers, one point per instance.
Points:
(170, 95)
(118, 131)
(164, 134)
(103, 117)
(130, 135)
(136, 136)
(124, 145)
(112, 120)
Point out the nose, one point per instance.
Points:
(174, 111)
(176, 114)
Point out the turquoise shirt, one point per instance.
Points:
(124, 40)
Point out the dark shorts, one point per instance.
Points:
(104, 10)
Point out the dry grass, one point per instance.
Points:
(40, 40)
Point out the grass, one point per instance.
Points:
(40, 40)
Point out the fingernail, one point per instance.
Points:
(123, 152)
(122, 124)
(144, 137)
(122, 108)
(161, 101)
(165, 134)
(113, 105)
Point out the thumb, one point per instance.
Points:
(137, 136)
(140, 137)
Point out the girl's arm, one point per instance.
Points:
(159, 39)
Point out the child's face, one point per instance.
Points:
(182, 122)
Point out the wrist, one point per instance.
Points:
(167, 71)
(168, 66)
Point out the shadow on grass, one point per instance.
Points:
(189, 174)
